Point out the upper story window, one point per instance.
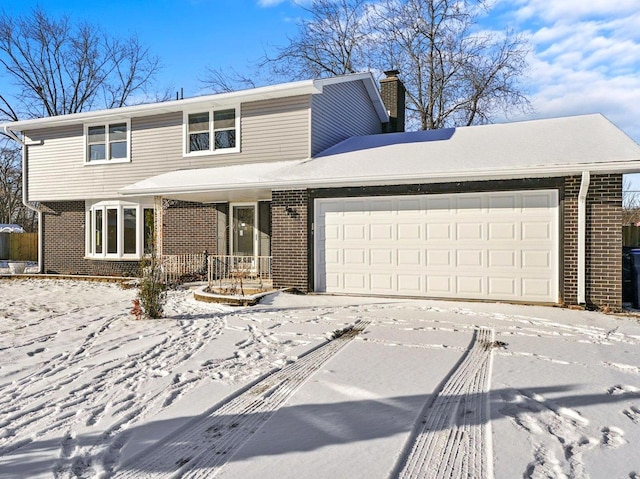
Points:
(107, 143)
(212, 131)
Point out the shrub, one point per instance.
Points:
(152, 291)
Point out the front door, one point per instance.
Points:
(243, 238)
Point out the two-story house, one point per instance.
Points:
(302, 174)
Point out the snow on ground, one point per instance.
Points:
(469, 389)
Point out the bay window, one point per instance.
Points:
(119, 230)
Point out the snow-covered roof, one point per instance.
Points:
(282, 90)
(11, 228)
(537, 148)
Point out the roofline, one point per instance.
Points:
(282, 90)
(626, 166)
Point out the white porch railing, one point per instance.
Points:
(180, 267)
(214, 268)
(230, 266)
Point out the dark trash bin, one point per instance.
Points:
(631, 276)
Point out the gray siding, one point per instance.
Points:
(343, 110)
(272, 130)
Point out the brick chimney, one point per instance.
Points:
(393, 95)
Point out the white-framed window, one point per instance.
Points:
(212, 131)
(107, 142)
(119, 229)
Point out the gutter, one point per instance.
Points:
(582, 236)
(25, 157)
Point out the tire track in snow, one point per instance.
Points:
(203, 446)
(453, 440)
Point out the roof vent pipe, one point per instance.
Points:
(582, 236)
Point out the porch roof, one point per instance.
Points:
(537, 148)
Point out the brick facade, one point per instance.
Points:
(604, 241)
(603, 274)
(290, 239)
(194, 227)
(64, 244)
(190, 227)
(569, 226)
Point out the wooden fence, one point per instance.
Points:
(19, 246)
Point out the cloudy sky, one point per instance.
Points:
(585, 56)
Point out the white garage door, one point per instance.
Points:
(501, 245)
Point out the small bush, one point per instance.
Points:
(152, 292)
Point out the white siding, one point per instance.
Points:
(271, 130)
(341, 111)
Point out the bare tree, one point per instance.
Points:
(61, 67)
(334, 40)
(630, 203)
(11, 208)
(455, 73)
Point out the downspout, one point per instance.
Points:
(582, 236)
(25, 157)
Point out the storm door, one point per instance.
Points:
(243, 237)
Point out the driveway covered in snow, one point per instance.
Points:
(311, 386)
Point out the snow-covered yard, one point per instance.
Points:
(469, 389)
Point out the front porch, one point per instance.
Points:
(234, 274)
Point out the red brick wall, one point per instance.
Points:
(290, 239)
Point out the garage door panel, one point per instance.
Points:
(469, 285)
(354, 232)
(382, 283)
(506, 203)
(409, 257)
(501, 245)
(469, 258)
(411, 283)
(381, 232)
(409, 232)
(439, 257)
(381, 257)
(502, 287)
(536, 259)
(469, 203)
(439, 205)
(536, 287)
(409, 206)
(536, 201)
(439, 285)
(502, 231)
(355, 281)
(502, 258)
(439, 231)
(536, 230)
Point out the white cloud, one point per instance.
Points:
(585, 59)
(273, 3)
(269, 3)
(571, 10)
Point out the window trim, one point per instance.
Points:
(119, 206)
(212, 150)
(107, 143)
